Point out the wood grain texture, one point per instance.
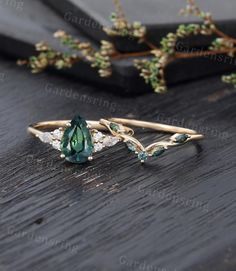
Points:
(174, 213)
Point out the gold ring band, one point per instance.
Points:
(181, 136)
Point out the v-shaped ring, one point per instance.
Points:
(155, 149)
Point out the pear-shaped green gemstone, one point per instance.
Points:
(76, 143)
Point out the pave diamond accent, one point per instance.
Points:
(46, 137)
(57, 134)
(110, 141)
(53, 138)
(56, 145)
(101, 140)
(98, 147)
(98, 136)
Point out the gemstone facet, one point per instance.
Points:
(181, 138)
(143, 156)
(114, 127)
(46, 137)
(159, 150)
(110, 141)
(131, 146)
(76, 142)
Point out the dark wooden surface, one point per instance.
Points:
(174, 213)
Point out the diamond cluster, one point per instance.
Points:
(52, 138)
(101, 140)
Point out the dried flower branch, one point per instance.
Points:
(49, 57)
(230, 79)
(124, 29)
(81, 51)
(152, 69)
(121, 27)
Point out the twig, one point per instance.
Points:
(127, 55)
(152, 68)
(119, 10)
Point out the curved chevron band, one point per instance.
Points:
(180, 137)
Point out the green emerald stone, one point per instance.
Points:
(181, 138)
(114, 127)
(159, 150)
(131, 146)
(142, 156)
(76, 143)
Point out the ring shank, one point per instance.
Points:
(37, 128)
(154, 126)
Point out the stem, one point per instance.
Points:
(119, 10)
(223, 35)
(217, 31)
(175, 56)
(149, 44)
(196, 54)
(203, 53)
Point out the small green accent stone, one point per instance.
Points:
(131, 146)
(114, 127)
(76, 143)
(159, 150)
(181, 138)
(113, 16)
(142, 156)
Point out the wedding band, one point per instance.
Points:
(181, 136)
